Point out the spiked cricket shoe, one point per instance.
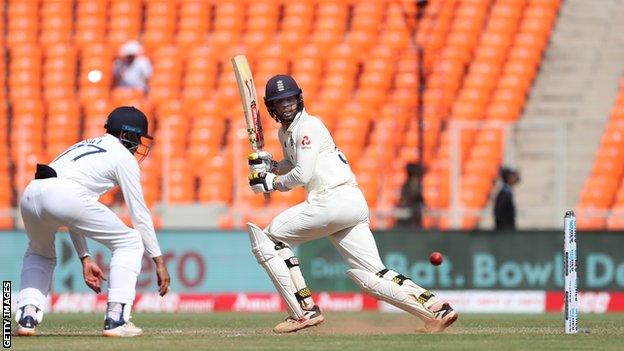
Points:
(444, 316)
(311, 318)
(120, 330)
(26, 326)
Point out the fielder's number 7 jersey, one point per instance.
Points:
(101, 163)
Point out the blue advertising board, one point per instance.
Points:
(197, 261)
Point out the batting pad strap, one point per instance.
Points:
(399, 279)
(292, 262)
(287, 254)
(303, 294)
(424, 297)
(389, 292)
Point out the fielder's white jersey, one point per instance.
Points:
(99, 164)
(311, 158)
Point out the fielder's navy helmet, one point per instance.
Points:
(127, 119)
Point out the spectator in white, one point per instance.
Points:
(131, 68)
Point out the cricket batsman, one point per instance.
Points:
(66, 193)
(334, 208)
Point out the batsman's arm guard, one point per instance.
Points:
(266, 255)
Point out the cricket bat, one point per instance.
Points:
(247, 90)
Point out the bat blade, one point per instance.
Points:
(249, 99)
(247, 90)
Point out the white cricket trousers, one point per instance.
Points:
(341, 214)
(48, 204)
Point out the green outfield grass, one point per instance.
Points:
(341, 331)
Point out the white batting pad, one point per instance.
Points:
(389, 292)
(264, 250)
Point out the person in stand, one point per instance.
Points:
(132, 69)
(504, 206)
(411, 196)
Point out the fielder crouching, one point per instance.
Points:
(335, 208)
(66, 193)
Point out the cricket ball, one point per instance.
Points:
(436, 258)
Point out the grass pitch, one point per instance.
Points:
(341, 331)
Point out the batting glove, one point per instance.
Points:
(262, 182)
(260, 161)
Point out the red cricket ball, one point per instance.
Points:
(436, 258)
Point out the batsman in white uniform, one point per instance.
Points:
(334, 208)
(65, 193)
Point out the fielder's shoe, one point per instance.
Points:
(121, 329)
(311, 318)
(444, 316)
(26, 326)
(27, 318)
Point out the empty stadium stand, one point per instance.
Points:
(562, 124)
(355, 60)
(601, 203)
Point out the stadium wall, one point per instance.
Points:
(486, 272)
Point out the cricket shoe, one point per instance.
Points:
(443, 317)
(121, 329)
(311, 318)
(27, 318)
(26, 326)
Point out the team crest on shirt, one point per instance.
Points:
(305, 142)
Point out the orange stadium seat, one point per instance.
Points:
(178, 182)
(62, 126)
(603, 189)
(91, 19)
(166, 82)
(193, 23)
(589, 218)
(95, 112)
(265, 17)
(160, 24)
(616, 220)
(124, 21)
(229, 18)
(367, 15)
(23, 22)
(297, 17)
(56, 22)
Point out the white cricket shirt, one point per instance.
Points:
(101, 163)
(311, 158)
